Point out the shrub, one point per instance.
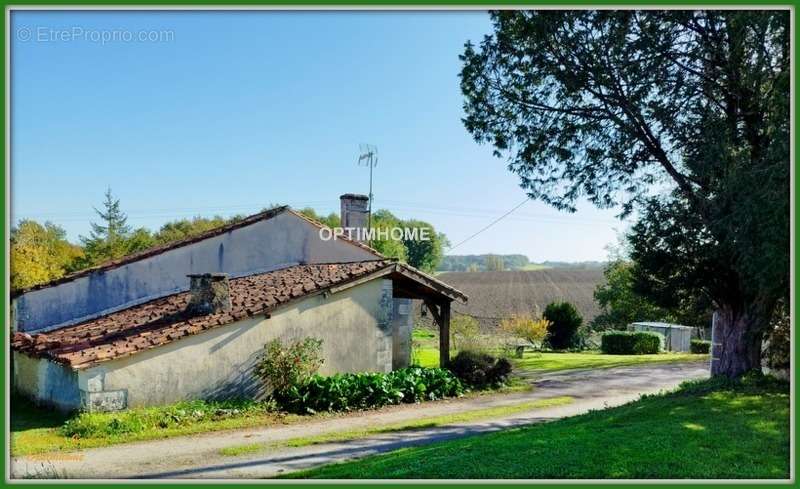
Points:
(565, 321)
(700, 346)
(630, 342)
(479, 370)
(346, 392)
(281, 367)
(465, 333)
(534, 331)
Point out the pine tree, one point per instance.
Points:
(109, 239)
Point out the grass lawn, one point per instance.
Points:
(709, 429)
(550, 362)
(428, 422)
(35, 430)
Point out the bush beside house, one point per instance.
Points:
(290, 373)
(480, 370)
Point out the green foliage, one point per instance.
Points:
(700, 346)
(611, 105)
(332, 220)
(385, 221)
(480, 370)
(107, 240)
(778, 351)
(139, 239)
(630, 342)
(282, 366)
(40, 253)
(465, 332)
(353, 391)
(565, 321)
(185, 228)
(95, 425)
(619, 303)
(424, 254)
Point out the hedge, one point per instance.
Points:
(700, 346)
(630, 342)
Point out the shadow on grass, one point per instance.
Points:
(706, 430)
(25, 415)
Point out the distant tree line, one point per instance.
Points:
(493, 262)
(482, 263)
(40, 252)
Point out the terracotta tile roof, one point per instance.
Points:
(163, 320)
(267, 214)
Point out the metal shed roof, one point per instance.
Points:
(662, 325)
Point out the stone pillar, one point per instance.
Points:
(402, 326)
(383, 334)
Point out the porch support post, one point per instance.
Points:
(444, 334)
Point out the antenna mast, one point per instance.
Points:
(368, 156)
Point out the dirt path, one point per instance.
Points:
(199, 456)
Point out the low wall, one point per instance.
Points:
(46, 382)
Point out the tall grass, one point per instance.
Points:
(139, 420)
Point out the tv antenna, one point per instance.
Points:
(368, 156)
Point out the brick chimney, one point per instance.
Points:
(355, 212)
(210, 293)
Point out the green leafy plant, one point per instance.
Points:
(565, 321)
(353, 391)
(480, 370)
(700, 346)
(630, 342)
(283, 366)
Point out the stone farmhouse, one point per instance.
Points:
(188, 320)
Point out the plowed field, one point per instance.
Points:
(497, 295)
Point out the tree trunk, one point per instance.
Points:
(736, 339)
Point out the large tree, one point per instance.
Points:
(425, 254)
(40, 253)
(680, 116)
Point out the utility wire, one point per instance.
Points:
(490, 224)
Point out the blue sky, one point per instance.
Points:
(231, 112)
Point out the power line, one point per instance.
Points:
(490, 224)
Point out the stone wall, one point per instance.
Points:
(354, 324)
(48, 383)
